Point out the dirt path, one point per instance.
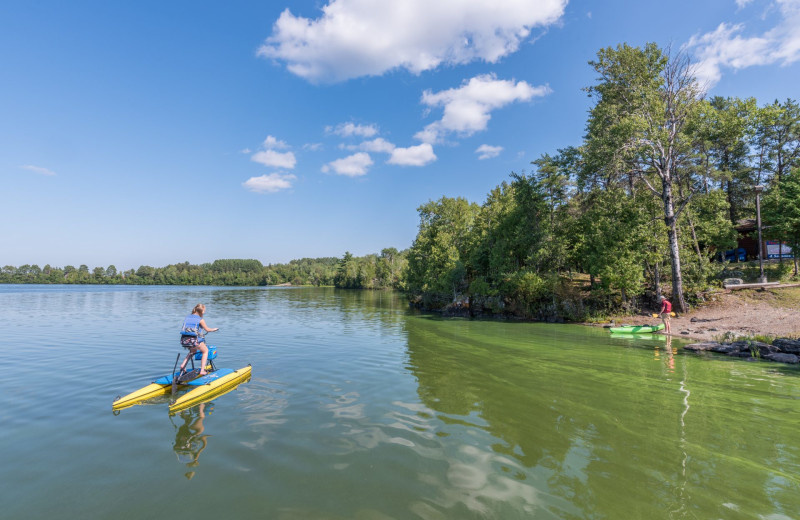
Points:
(745, 312)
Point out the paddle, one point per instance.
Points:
(658, 315)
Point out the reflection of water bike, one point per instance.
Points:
(199, 388)
(190, 439)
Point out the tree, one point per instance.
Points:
(723, 130)
(347, 272)
(781, 211)
(437, 260)
(638, 128)
(781, 130)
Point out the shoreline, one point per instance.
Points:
(729, 314)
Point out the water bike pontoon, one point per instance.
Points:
(197, 388)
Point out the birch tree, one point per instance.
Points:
(637, 130)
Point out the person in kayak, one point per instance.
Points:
(666, 310)
(191, 338)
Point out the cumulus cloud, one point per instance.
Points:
(354, 165)
(353, 38)
(727, 48)
(467, 109)
(486, 151)
(269, 183)
(38, 169)
(419, 155)
(351, 129)
(285, 160)
(377, 145)
(268, 156)
(271, 143)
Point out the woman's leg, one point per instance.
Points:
(204, 349)
(189, 355)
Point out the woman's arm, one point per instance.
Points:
(205, 327)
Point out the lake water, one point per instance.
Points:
(359, 408)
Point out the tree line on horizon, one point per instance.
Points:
(367, 272)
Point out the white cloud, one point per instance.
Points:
(488, 152)
(285, 160)
(377, 145)
(271, 143)
(419, 155)
(353, 38)
(269, 183)
(725, 47)
(38, 169)
(467, 109)
(351, 129)
(269, 157)
(354, 165)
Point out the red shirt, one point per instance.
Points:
(665, 306)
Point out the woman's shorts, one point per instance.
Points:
(191, 341)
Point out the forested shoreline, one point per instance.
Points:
(639, 209)
(381, 271)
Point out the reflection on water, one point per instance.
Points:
(361, 408)
(190, 437)
(601, 433)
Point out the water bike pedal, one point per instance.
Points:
(189, 375)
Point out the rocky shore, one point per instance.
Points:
(782, 350)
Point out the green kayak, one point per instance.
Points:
(637, 329)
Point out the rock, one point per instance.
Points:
(686, 332)
(699, 347)
(726, 348)
(764, 349)
(713, 330)
(790, 346)
(732, 281)
(783, 358)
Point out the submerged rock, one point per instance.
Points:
(782, 350)
(783, 358)
(699, 347)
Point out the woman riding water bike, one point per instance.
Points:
(192, 338)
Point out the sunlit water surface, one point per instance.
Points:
(359, 408)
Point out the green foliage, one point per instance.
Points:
(647, 200)
(438, 257)
(229, 272)
(240, 266)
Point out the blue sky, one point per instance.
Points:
(152, 132)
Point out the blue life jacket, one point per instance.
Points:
(191, 325)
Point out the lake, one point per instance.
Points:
(360, 408)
